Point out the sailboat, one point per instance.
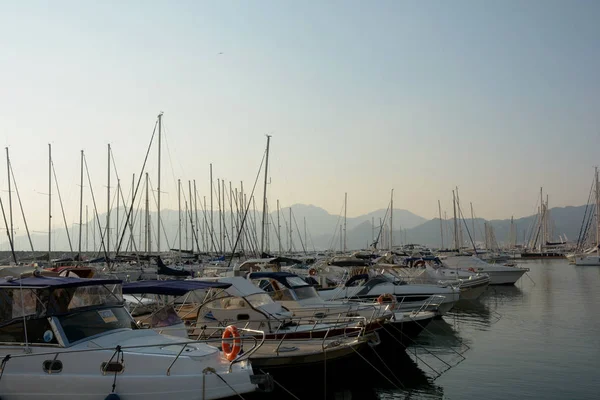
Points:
(592, 258)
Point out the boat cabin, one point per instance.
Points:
(59, 311)
(285, 286)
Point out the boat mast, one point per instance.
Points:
(147, 224)
(456, 246)
(441, 225)
(392, 221)
(10, 213)
(231, 220)
(597, 213)
(305, 241)
(86, 229)
(278, 228)
(345, 221)
(472, 222)
(542, 220)
(49, 202)
(264, 212)
(81, 208)
(179, 214)
(212, 222)
(158, 186)
(190, 216)
(108, 208)
(196, 217)
(117, 223)
(220, 219)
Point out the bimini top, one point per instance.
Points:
(286, 278)
(170, 287)
(53, 282)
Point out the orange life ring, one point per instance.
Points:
(231, 350)
(312, 272)
(387, 299)
(419, 263)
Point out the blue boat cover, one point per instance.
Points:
(170, 287)
(55, 282)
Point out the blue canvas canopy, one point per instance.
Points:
(170, 287)
(54, 282)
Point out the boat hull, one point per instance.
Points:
(591, 261)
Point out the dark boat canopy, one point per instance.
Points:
(54, 282)
(170, 287)
(280, 277)
(349, 262)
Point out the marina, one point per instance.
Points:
(274, 200)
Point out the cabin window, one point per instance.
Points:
(84, 324)
(38, 331)
(259, 299)
(63, 300)
(305, 292)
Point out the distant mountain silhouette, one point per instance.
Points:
(323, 229)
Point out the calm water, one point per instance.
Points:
(538, 339)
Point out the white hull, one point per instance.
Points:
(499, 274)
(589, 260)
(144, 376)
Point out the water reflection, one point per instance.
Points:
(389, 375)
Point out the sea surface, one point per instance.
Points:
(539, 339)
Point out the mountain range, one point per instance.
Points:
(322, 229)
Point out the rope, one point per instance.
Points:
(372, 366)
(3, 365)
(212, 370)
(281, 386)
(118, 351)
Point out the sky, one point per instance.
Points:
(497, 98)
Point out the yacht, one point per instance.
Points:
(66, 337)
(499, 274)
(301, 298)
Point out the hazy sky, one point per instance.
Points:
(496, 97)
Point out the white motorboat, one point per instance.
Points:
(432, 270)
(499, 274)
(371, 284)
(63, 337)
(235, 301)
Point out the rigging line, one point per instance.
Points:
(466, 227)
(125, 201)
(20, 204)
(160, 222)
(247, 208)
(165, 137)
(382, 225)
(137, 186)
(336, 229)
(12, 247)
(61, 207)
(210, 231)
(281, 386)
(585, 213)
(299, 235)
(102, 244)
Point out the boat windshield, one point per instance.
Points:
(87, 323)
(259, 299)
(305, 292)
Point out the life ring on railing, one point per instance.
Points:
(472, 269)
(387, 299)
(419, 263)
(231, 350)
(312, 271)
